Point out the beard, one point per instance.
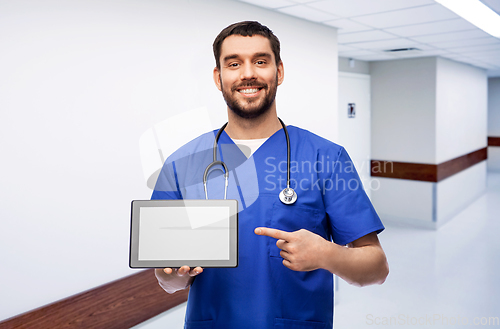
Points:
(251, 108)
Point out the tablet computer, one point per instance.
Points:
(174, 233)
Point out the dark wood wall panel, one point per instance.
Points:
(426, 172)
(493, 141)
(123, 303)
(451, 167)
(404, 170)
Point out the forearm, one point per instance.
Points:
(172, 282)
(363, 264)
(360, 266)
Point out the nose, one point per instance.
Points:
(248, 72)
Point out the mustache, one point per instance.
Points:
(250, 84)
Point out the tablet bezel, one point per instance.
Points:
(135, 262)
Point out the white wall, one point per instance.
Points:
(494, 107)
(461, 109)
(426, 204)
(354, 133)
(493, 158)
(461, 128)
(81, 81)
(361, 67)
(494, 122)
(427, 110)
(399, 200)
(457, 192)
(403, 110)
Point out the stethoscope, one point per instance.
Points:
(287, 196)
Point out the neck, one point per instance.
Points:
(262, 127)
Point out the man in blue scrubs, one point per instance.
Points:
(287, 253)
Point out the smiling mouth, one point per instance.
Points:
(250, 91)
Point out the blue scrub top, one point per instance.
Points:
(261, 292)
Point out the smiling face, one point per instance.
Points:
(248, 75)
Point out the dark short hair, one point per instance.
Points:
(246, 29)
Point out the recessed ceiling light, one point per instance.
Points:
(399, 50)
(476, 13)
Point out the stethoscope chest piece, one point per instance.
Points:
(288, 196)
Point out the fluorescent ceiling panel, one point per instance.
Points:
(418, 15)
(351, 8)
(347, 26)
(450, 25)
(269, 3)
(477, 13)
(307, 13)
(493, 4)
(364, 36)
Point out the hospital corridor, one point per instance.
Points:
(440, 279)
(289, 164)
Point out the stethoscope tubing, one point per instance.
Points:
(287, 153)
(287, 196)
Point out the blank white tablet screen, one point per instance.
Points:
(184, 233)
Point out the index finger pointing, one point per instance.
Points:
(272, 232)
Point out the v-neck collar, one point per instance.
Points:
(224, 137)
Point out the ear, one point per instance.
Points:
(281, 73)
(217, 78)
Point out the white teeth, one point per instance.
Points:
(249, 91)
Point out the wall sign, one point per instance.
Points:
(351, 110)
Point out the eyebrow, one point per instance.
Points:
(229, 57)
(256, 55)
(266, 55)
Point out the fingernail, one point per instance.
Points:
(257, 230)
(195, 272)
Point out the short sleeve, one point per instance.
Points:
(167, 187)
(350, 211)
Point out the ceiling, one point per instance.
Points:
(368, 29)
